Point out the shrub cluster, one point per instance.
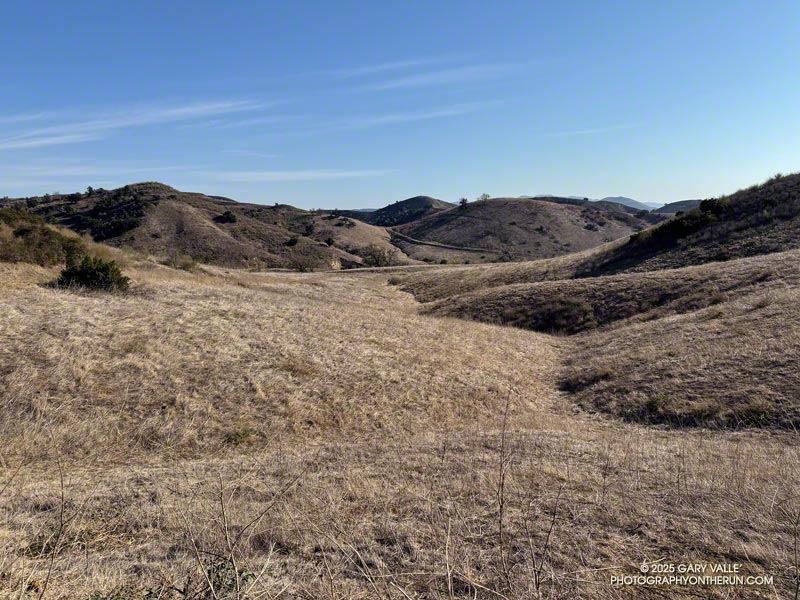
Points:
(116, 213)
(94, 274)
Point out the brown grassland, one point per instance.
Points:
(223, 434)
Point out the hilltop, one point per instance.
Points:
(401, 212)
(155, 219)
(679, 206)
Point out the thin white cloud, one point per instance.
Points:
(89, 129)
(452, 76)
(396, 65)
(265, 120)
(46, 140)
(46, 172)
(28, 117)
(362, 122)
(250, 153)
(301, 175)
(594, 131)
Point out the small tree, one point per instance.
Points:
(375, 256)
(89, 190)
(463, 202)
(484, 196)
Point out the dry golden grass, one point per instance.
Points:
(221, 434)
(733, 364)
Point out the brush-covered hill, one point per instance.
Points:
(761, 219)
(676, 207)
(26, 238)
(526, 228)
(155, 219)
(402, 211)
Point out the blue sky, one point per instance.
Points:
(354, 104)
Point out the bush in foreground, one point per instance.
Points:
(94, 274)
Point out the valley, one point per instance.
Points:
(421, 430)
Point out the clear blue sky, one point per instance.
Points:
(353, 104)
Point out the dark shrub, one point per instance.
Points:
(94, 274)
(226, 217)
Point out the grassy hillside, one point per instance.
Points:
(724, 328)
(730, 364)
(709, 344)
(25, 237)
(158, 220)
(574, 305)
(401, 212)
(312, 436)
(520, 229)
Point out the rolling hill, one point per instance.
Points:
(155, 219)
(158, 220)
(524, 229)
(630, 202)
(355, 443)
(401, 212)
(679, 206)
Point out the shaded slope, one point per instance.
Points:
(25, 237)
(574, 305)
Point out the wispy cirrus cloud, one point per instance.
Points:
(397, 65)
(592, 131)
(67, 171)
(250, 153)
(367, 121)
(97, 127)
(450, 76)
(39, 141)
(252, 122)
(294, 176)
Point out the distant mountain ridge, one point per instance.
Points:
(618, 199)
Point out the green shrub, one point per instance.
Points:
(94, 274)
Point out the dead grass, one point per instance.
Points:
(222, 434)
(574, 305)
(731, 365)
